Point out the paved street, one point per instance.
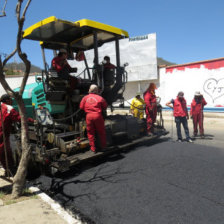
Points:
(214, 129)
(164, 182)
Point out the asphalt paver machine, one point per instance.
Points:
(58, 137)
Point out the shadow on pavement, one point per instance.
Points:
(206, 137)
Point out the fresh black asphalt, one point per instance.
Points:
(165, 182)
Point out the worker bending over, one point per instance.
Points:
(93, 105)
(137, 106)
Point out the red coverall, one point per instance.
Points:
(9, 115)
(63, 68)
(109, 66)
(197, 115)
(93, 105)
(59, 63)
(179, 108)
(150, 110)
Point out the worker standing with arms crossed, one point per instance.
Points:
(93, 104)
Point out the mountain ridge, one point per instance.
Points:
(16, 68)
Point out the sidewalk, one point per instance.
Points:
(36, 208)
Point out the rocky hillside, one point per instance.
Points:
(161, 61)
(19, 68)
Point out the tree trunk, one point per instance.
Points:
(20, 177)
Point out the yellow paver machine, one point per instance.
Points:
(59, 136)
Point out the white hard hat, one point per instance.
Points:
(93, 88)
(197, 93)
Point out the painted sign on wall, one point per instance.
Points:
(139, 52)
(214, 88)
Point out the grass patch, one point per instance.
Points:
(9, 202)
(34, 196)
(26, 191)
(1, 194)
(5, 195)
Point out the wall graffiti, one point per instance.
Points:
(214, 88)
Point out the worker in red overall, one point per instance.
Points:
(8, 115)
(60, 64)
(93, 105)
(196, 113)
(180, 113)
(151, 108)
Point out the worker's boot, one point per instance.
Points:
(150, 134)
(93, 151)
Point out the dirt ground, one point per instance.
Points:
(29, 208)
(5, 194)
(29, 211)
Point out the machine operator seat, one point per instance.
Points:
(55, 82)
(55, 87)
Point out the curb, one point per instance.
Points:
(55, 206)
(166, 113)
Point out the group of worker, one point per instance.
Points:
(93, 105)
(180, 112)
(63, 69)
(148, 104)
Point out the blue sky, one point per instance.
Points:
(187, 30)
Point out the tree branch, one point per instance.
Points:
(9, 56)
(3, 82)
(26, 7)
(23, 56)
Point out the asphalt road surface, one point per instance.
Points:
(162, 182)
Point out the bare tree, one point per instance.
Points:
(3, 9)
(20, 177)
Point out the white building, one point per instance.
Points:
(204, 76)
